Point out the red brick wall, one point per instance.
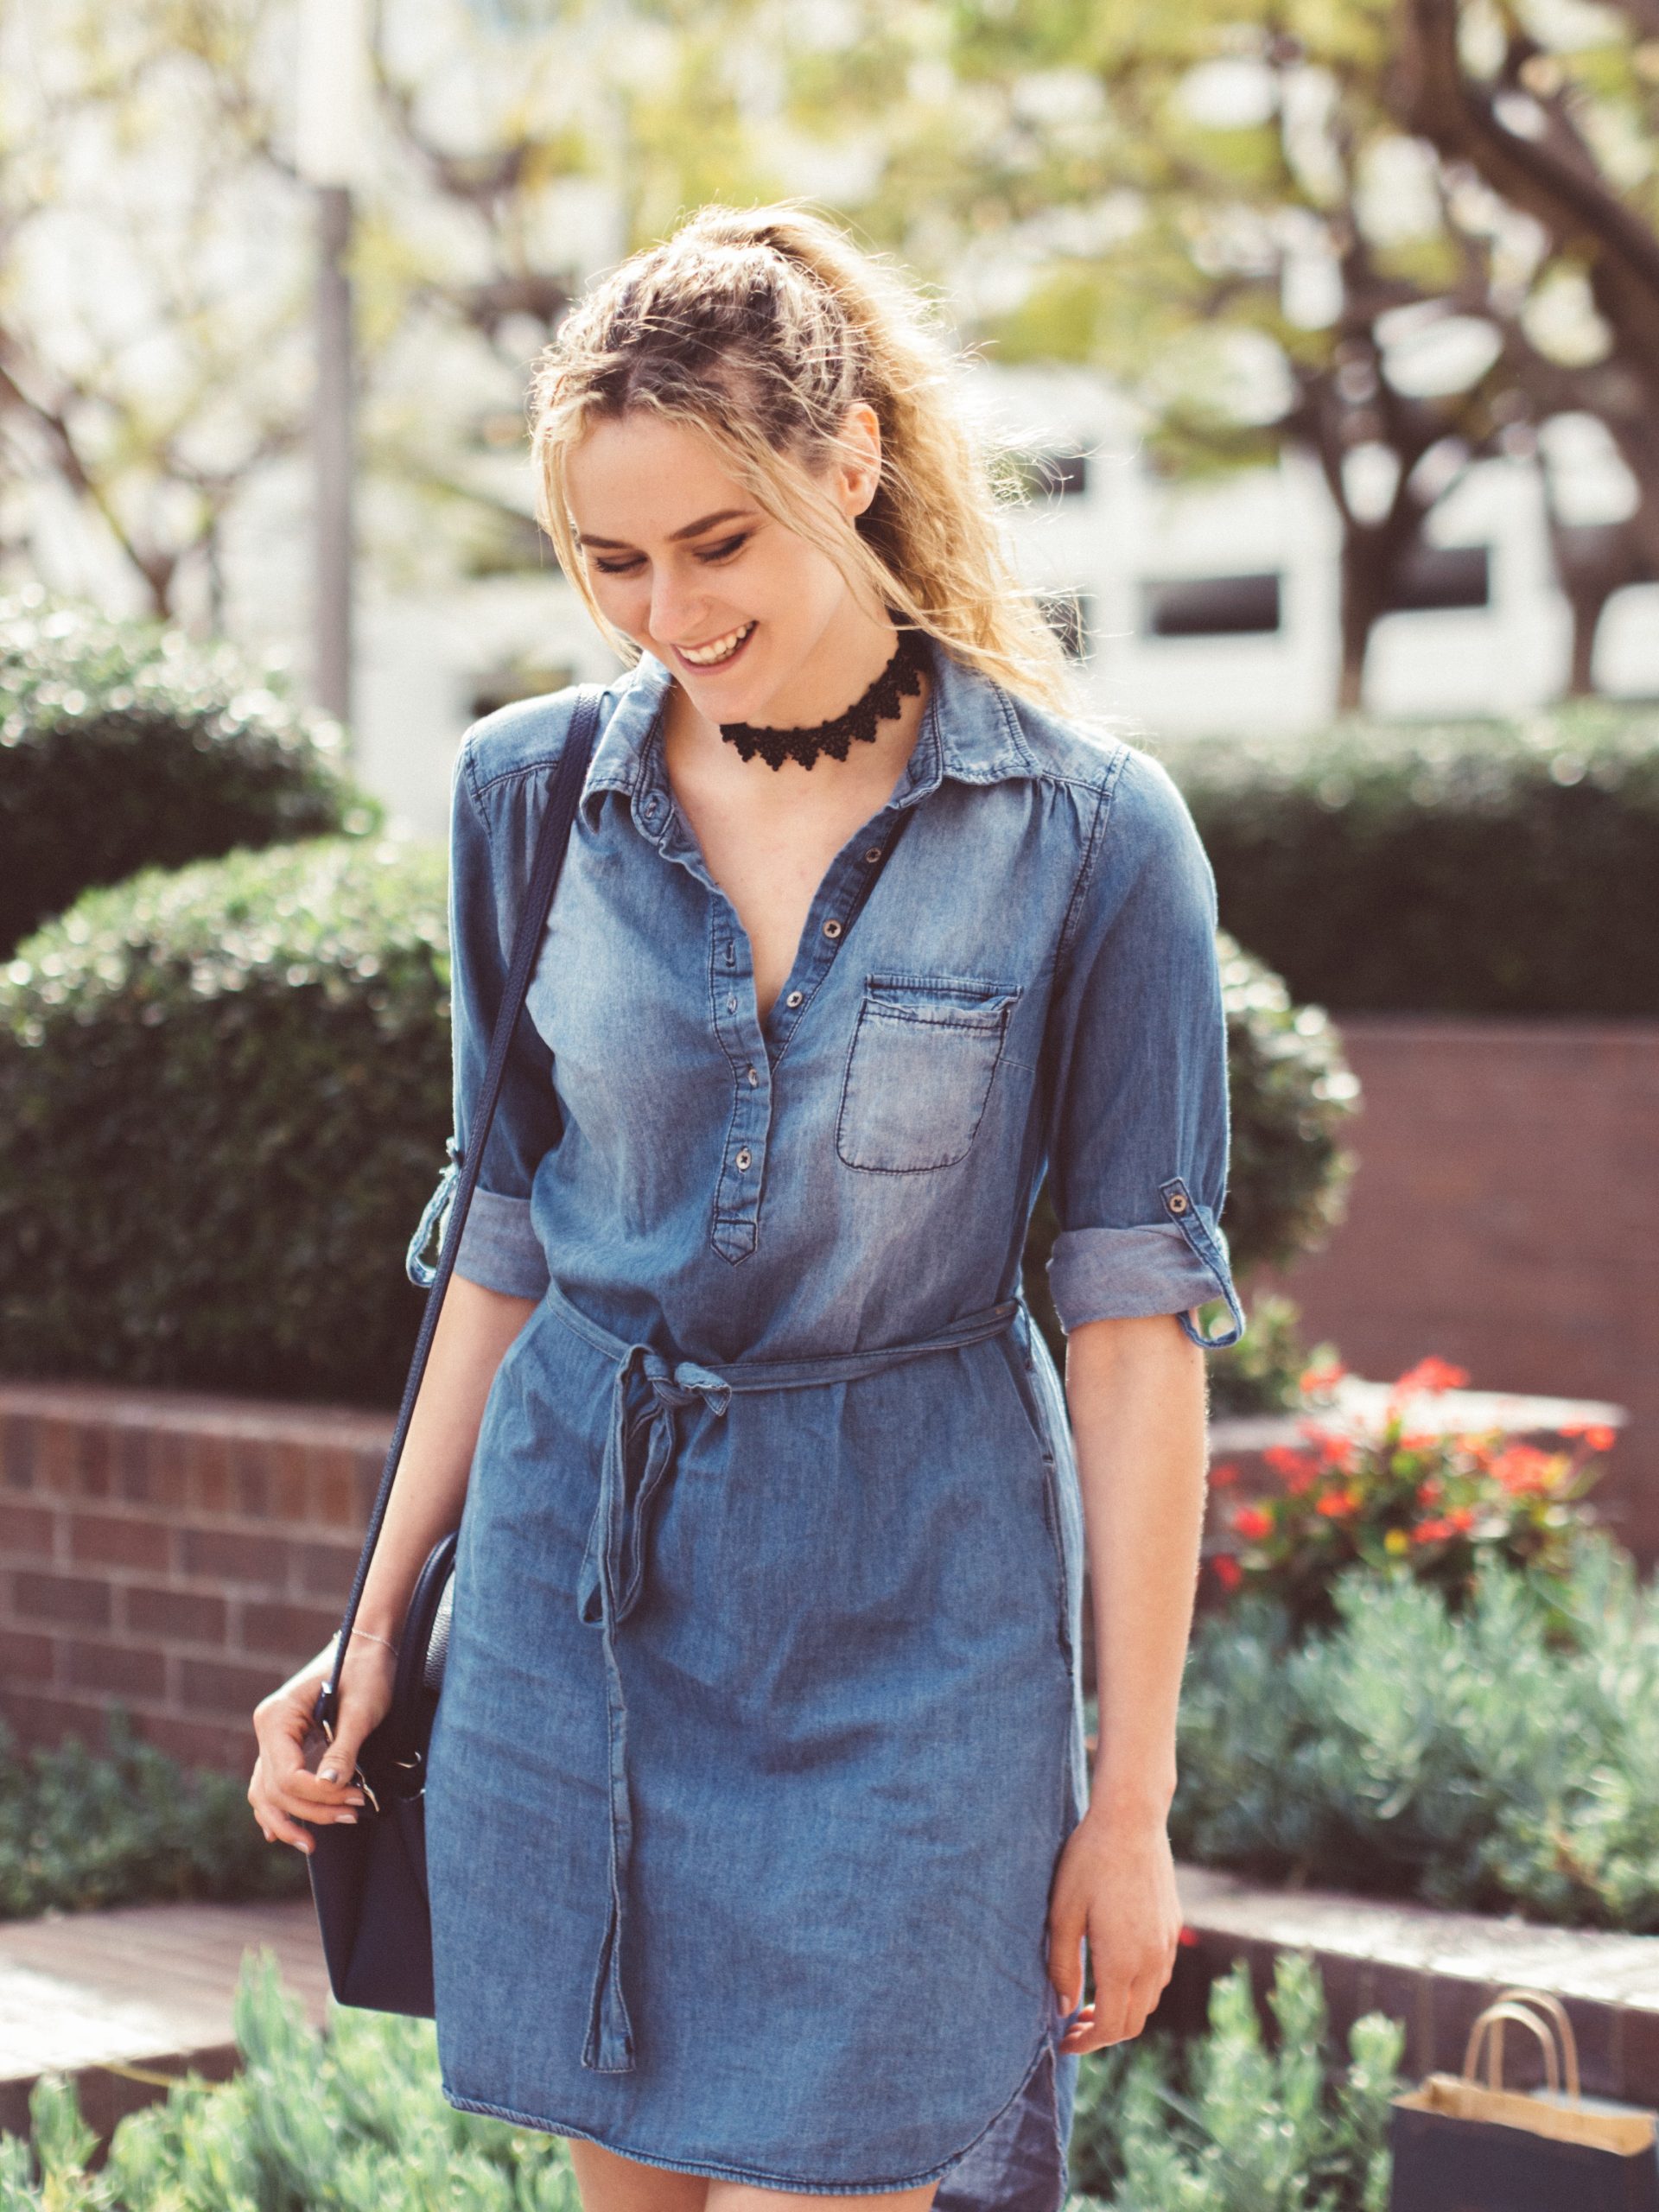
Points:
(177, 1555)
(1506, 1215)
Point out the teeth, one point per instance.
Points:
(721, 649)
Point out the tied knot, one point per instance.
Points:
(638, 1456)
(683, 1382)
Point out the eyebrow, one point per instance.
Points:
(692, 530)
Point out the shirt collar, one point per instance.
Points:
(970, 731)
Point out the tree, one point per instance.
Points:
(150, 306)
(1557, 111)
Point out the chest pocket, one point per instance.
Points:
(923, 1052)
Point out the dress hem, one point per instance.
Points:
(712, 2171)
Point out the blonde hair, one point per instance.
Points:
(760, 327)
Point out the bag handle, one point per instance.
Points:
(567, 780)
(1542, 2000)
(1516, 2004)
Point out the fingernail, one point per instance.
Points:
(327, 1774)
(347, 1819)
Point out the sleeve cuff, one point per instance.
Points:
(500, 1249)
(1173, 1267)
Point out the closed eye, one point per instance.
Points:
(726, 551)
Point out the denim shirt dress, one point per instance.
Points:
(762, 1728)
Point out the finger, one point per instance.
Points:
(280, 1830)
(310, 1789)
(1065, 1957)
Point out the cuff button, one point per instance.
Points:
(1177, 1202)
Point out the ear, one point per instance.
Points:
(858, 474)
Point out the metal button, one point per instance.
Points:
(874, 852)
(794, 998)
(731, 1005)
(754, 1077)
(743, 1157)
(832, 927)
(650, 807)
(1177, 1202)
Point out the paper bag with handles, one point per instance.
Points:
(1463, 2145)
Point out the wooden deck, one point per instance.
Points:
(141, 1991)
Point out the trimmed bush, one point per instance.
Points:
(122, 744)
(126, 1826)
(1443, 867)
(222, 1094)
(1500, 1758)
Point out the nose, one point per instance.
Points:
(676, 605)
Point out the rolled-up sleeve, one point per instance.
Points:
(498, 1248)
(1138, 1140)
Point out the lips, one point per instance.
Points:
(725, 650)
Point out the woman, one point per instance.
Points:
(756, 1819)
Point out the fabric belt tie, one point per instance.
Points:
(647, 1390)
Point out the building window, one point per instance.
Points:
(1212, 607)
(1057, 475)
(1433, 576)
(1070, 615)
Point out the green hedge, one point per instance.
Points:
(123, 1826)
(1447, 868)
(225, 1092)
(1502, 1758)
(123, 744)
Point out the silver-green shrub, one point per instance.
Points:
(1505, 1758)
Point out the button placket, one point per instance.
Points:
(737, 1193)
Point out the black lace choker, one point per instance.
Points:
(880, 703)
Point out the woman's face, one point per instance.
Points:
(683, 561)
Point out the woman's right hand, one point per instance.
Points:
(300, 1776)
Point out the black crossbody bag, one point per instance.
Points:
(368, 1879)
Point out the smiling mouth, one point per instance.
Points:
(718, 651)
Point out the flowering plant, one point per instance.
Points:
(1436, 1506)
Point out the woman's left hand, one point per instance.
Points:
(1116, 1884)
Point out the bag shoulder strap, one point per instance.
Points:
(555, 834)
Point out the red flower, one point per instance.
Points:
(1462, 1518)
(1335, 1450)
(1420, 1440)
(1523, 1467)
(1223, 1477)
(1431, 1532)
(1601, 1438)
(1228, 1572)
(1337, 1504)
(1251, 1522)
(1432, 1374)
(1284, 1461)
(1430, 1490)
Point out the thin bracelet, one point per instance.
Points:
(370, 1637)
